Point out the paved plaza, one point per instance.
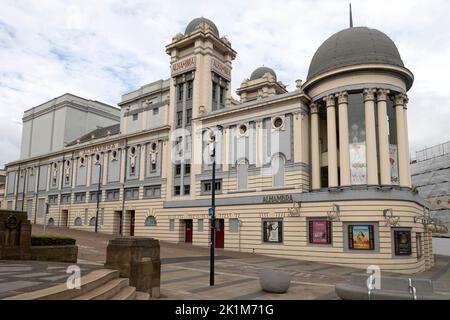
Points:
(185, 272)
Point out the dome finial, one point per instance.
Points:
(351, 16)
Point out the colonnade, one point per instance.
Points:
(377, 152)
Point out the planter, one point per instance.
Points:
(64, 253)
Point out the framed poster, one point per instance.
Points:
(273, 231)
(402, 242)
(358, 164)
(319, 232)
(361, 237)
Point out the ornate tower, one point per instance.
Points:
(200, 84)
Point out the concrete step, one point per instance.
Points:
(89, 282)
(105, 291)
(142, 296)
(127, 293)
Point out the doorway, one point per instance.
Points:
(64, 218)
(132, 221)
(118, 222)
(188, 230)
(220, 233)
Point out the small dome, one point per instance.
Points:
(261, 71)
(352, 46)
(194, 23)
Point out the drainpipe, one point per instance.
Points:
(37, 192)
(23, 190)
(17, 188)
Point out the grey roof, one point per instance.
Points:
(261, 71)
(98, 133)
(352, 46)
(194, 23)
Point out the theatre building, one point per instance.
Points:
(319, 173)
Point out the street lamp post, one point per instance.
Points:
(213, 215)
(98, 195)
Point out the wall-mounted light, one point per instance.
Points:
(335, 213)
(391, 220)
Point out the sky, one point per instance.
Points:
(102, 49)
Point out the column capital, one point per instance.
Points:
(400, 100)
(314, 107)
(329, 100)
(382, 94)
(369, 94)
(342, 97)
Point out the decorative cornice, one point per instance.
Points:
(382, 94)
(369, 94)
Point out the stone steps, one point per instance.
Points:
(103, 284)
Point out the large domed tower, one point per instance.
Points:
(357, 82)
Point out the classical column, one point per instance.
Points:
(315, 156)
(403, 158)
(405, 116)
(332, 141)
(383, 137)
(344, 149)
(371, 137)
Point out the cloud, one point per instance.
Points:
(102, 49)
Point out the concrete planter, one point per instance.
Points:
(55, 253)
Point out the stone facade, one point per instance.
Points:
(319, 173)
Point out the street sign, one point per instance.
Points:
(211, 211)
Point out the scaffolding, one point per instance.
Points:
(430, 174)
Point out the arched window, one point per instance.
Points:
(150, 221)
(78, 222)
(278, 164)
(51, 222)
(242, 174)
(92, 221)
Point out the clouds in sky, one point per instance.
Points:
(102, 49)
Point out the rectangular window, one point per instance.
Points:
(187, 168)
(419, 245)
(221, 95)
(177, 190)
(152, 191)
(273, 231)
(153, 167)
(319, 231)
(207, 186)
(187, 189)
(155, 111)
(112, 195)
(188, 116)
(361, 237)
(402, 242)
(94, 195)
(65, 198)
(189, 89)
(200, 225)
(180, 92)
(214, 92)
(179, 118)
(172, 225)
(135, 116)
(131, 193)
(234, 225)
(53, 199)
(177, 169)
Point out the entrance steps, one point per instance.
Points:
(102, 284)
